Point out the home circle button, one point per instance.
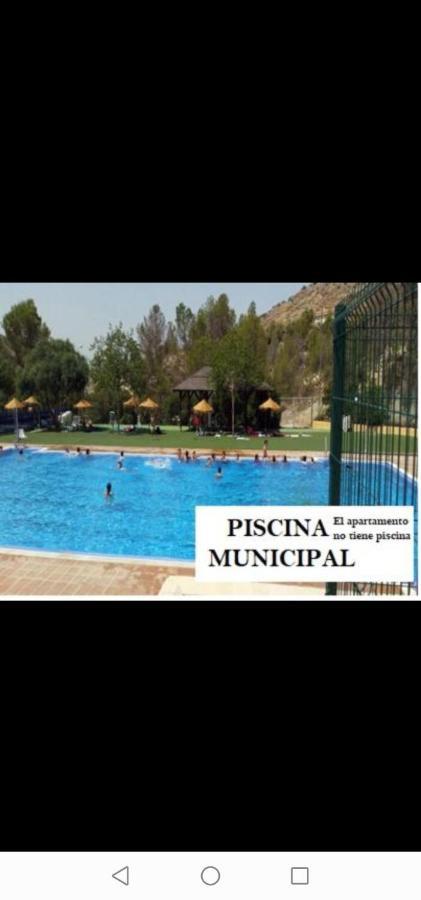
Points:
(210, 875)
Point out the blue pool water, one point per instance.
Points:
(50, 500)
(54, 501)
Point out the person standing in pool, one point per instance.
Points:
(108, 493)
(219, 473)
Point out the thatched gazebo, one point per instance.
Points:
(196, 387)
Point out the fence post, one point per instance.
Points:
(336, 415)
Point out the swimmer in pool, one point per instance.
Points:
(274, 459)
(88, 452)
(219, 473)
(238, 457)
(119, 464)
(209, 462)
(187, 456)
(108, 493)
(77, 449)
(224, 456)
(256, 458)
(194, 456)
(303, 459)
(179, 453)
(284, 459)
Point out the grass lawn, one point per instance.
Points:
(173, 438)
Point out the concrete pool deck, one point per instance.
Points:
(170, 451)
(38, 574)
(32, 573)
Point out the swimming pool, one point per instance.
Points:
(53, 501)
(50, 500)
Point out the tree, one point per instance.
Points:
(7, 375)
(158, 349)
(152, 334)
(214, 319)
(239, 360)
(117, 369)
(287, 375)
(55, 372)
(23, 328)
(184, 320)
(200, 353)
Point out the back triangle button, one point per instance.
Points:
(122, 875)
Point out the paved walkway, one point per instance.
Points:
(41, 575)
(25, 574)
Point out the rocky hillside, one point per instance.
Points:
(320, 297)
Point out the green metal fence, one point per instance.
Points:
(373, 452)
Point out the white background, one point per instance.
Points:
(389, 560)
(176, 876)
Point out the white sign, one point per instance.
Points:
(305, 543)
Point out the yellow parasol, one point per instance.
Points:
(203, 407)
(30, 402)
(14, 404)
(270, 404)
(83, 404)
(132, 402)
(149, 404)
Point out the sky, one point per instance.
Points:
(83, 311)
